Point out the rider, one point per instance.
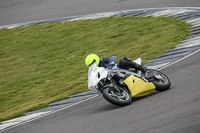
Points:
(107, 62)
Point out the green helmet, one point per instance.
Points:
(90, 59)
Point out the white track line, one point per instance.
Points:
(180, 59)
(47, 114)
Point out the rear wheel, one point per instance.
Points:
(160, 80)
(115, 97)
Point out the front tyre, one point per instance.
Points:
(160, 80)
(115, 97)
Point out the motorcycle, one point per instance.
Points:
(118, 86)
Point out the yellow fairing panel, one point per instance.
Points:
(138, 87)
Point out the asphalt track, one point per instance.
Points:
(20, 11)
(174, 111)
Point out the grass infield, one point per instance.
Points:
(45, 63)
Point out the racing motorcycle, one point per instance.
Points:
(118, 86)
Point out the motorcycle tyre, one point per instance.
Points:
(161, 87)
(115, 101)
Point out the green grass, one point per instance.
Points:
(45, 63)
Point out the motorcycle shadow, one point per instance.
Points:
(106, 107)
(134, 99)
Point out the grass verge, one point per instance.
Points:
(45, 63)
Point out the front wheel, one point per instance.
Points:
(115, 97)
(160, 80)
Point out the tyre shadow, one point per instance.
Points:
(106, 106)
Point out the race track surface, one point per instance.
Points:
(20, 11)
(174, 111)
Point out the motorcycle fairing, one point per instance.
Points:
(95, 74)
(138, 87)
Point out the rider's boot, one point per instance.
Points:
(142, 68)
(128, 63)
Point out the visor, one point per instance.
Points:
(91, 63)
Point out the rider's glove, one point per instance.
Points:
(110, 65)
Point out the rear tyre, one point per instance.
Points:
(162, 83)
(115, 97)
